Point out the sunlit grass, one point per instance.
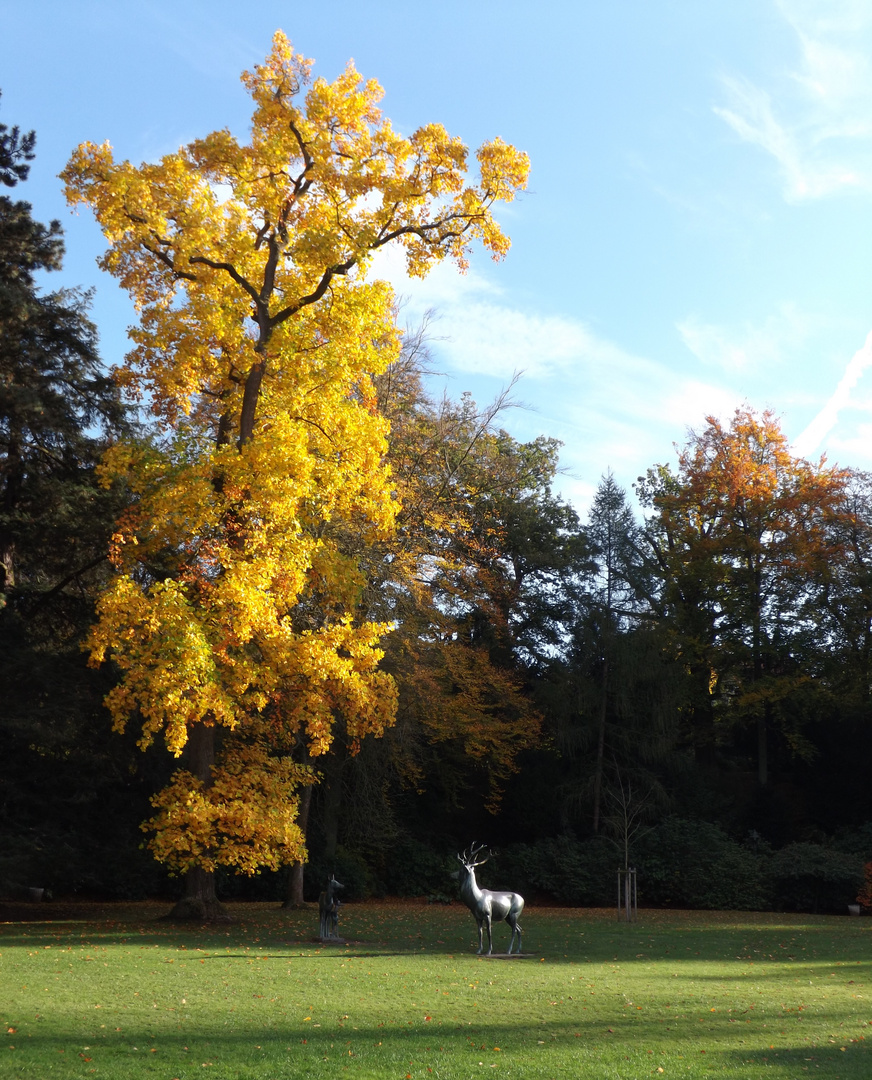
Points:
(692, 994)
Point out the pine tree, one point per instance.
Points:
(58, 410)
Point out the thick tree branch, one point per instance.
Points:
(424, 231)
(163, 257)
(230, 269)
(341, 269)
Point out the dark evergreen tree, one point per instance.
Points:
(16, 150)
(614, 695)
(57, 409)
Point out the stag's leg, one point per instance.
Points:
(480, 931)
(490, 940)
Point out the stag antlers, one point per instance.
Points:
(468, 858)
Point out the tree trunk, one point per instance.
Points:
(199, 902)
(701, 717)
(250, 396)
(762, 749)
(7, 564)
(294, 897)
(334, 767)
(10, 494)
(600, 750)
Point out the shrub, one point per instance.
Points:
(414, 869)
(855, 841)
(864, 897)
(810, 877)
(695, 864)
(567, 870)
(348, 867)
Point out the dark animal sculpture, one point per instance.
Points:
(328, 909)
(486, 905)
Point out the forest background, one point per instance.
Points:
(687, 690)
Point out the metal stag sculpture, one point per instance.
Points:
(328, 908)
(486, 905)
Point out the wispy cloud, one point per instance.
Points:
(201, 40)
(479, 334)
(812, 438)
(815, 121)
(750, 346)
(610, 407)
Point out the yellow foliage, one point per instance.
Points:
(256, 345)
(246, 818)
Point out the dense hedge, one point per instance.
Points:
(692, 864)
(680, 863)
(810, 877)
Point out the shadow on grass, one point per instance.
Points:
(560, 936)
(401, 1041)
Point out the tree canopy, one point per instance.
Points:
(234, 605)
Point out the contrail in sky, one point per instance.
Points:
(828, 417)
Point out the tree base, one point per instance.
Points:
(296, 905)
(195, 909)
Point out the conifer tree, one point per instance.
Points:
(58, 410)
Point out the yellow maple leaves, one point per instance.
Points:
(234, 603)
(244, 819)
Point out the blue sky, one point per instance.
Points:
(696, 231)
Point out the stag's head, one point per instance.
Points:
(469, 859)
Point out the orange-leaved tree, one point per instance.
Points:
(232, 618)
(494, 555)
(741, 532)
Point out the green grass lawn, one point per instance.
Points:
(118, 994)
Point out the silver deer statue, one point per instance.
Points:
(486, 905)
(328, 909)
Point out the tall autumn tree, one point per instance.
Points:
(469, 585)
(741, 532)
(486, 595)
(257, 340)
